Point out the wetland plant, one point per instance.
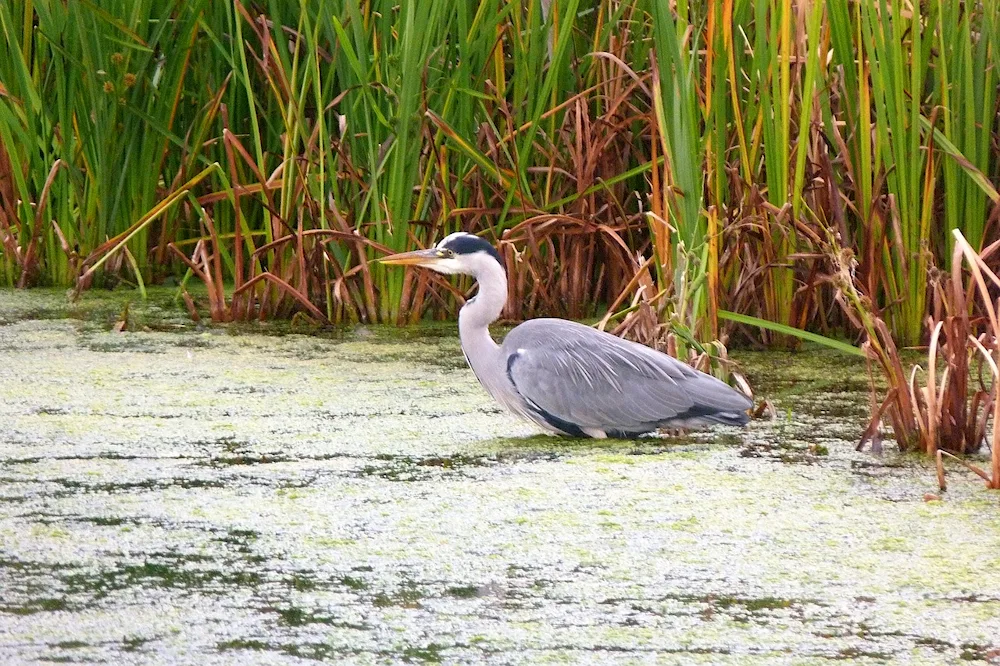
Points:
(688, 159)
(950, 411)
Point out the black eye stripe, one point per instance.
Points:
(469, 244)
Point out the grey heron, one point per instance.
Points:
(567, 377)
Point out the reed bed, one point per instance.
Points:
(688, 162)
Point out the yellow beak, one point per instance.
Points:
(411, 258)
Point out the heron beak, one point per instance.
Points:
(415, 258)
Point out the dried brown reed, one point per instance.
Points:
(951, 409)
(27, 258)
(790, 131)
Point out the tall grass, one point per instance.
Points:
(923, 73)
(99, 90)
(678, 221)
(692, 157)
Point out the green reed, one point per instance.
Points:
(351, 128)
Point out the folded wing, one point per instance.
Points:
(576, 375)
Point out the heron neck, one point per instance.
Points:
(479, 312)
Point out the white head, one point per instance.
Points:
(459, 252)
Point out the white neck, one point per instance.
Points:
(479, 312)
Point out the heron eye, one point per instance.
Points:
(444, 252)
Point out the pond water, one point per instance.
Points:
(176, 494)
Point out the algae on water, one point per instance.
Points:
(175, 493)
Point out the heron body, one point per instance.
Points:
(568, 378)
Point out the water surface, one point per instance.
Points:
(176, 494)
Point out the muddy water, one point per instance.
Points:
(172, 494)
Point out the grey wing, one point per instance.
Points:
(582, 378)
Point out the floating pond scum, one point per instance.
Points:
(172, 494)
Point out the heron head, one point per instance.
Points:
(458, 253)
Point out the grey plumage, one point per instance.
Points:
(599, 382)
(569, 378)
